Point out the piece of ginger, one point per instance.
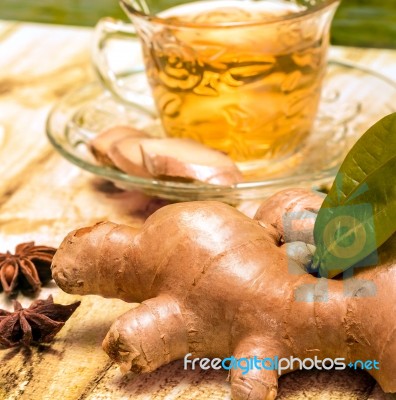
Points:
(215, 283)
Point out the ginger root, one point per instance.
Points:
(102, 144)
(215, 283)
(185, 158)
(133, 152)
(126, 155)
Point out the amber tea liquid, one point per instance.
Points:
(249, 91)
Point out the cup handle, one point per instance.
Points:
(108, 29)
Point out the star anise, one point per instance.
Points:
(27, 269)
(37, 324)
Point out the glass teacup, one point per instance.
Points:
(240, 76)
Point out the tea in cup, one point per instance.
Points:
(243, 77)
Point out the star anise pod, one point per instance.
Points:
(37, 324)
(27, 269)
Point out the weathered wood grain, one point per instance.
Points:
(42, 197)
(36, 69)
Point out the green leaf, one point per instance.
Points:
(359, 213)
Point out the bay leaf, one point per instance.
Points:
(359, 213)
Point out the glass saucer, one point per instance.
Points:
(353, 99)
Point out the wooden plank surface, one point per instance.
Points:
(42, 197)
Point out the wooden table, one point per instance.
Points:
(42, 197)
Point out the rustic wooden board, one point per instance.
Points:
(42, 197)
